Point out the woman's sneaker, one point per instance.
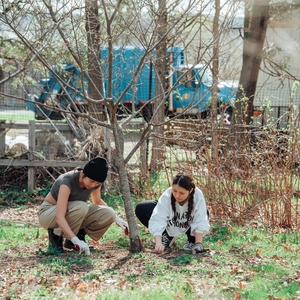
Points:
(188, 246)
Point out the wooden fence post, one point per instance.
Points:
(31, 149)
(2, 137)
(143, 156)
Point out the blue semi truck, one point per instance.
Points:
(53, 93)
(190, 86)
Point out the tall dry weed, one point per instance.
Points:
(256, 183)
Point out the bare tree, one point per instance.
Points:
(65, 30)
(73, 33)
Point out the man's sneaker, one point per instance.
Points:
(188, 246)
(167, 240)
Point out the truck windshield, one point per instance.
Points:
(203, 74)
(192, 77)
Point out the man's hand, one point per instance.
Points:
(81, 245)
(197, 248)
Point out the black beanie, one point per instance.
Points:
(96, 169)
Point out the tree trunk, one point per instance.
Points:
(94, 75)
(158, 146)
(135, 243)
(215, 72)
(1, 77)
(256, 22)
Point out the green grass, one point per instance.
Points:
(25, 115)
(244, 262)
(251, 263)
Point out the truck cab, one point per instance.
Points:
(193, 91)
(54, 93)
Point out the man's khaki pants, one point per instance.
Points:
(94, 219)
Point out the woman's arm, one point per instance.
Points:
(160, 216)
(96, 197)
(200, 224)
(61, 210)
(159, 247)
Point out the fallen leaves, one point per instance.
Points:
(258, 252)
(82, 286)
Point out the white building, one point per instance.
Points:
(278, 91)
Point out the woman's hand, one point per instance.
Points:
(81, 245)
(121, 223)
(159, 248)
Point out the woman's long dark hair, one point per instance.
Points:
(185, 181)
